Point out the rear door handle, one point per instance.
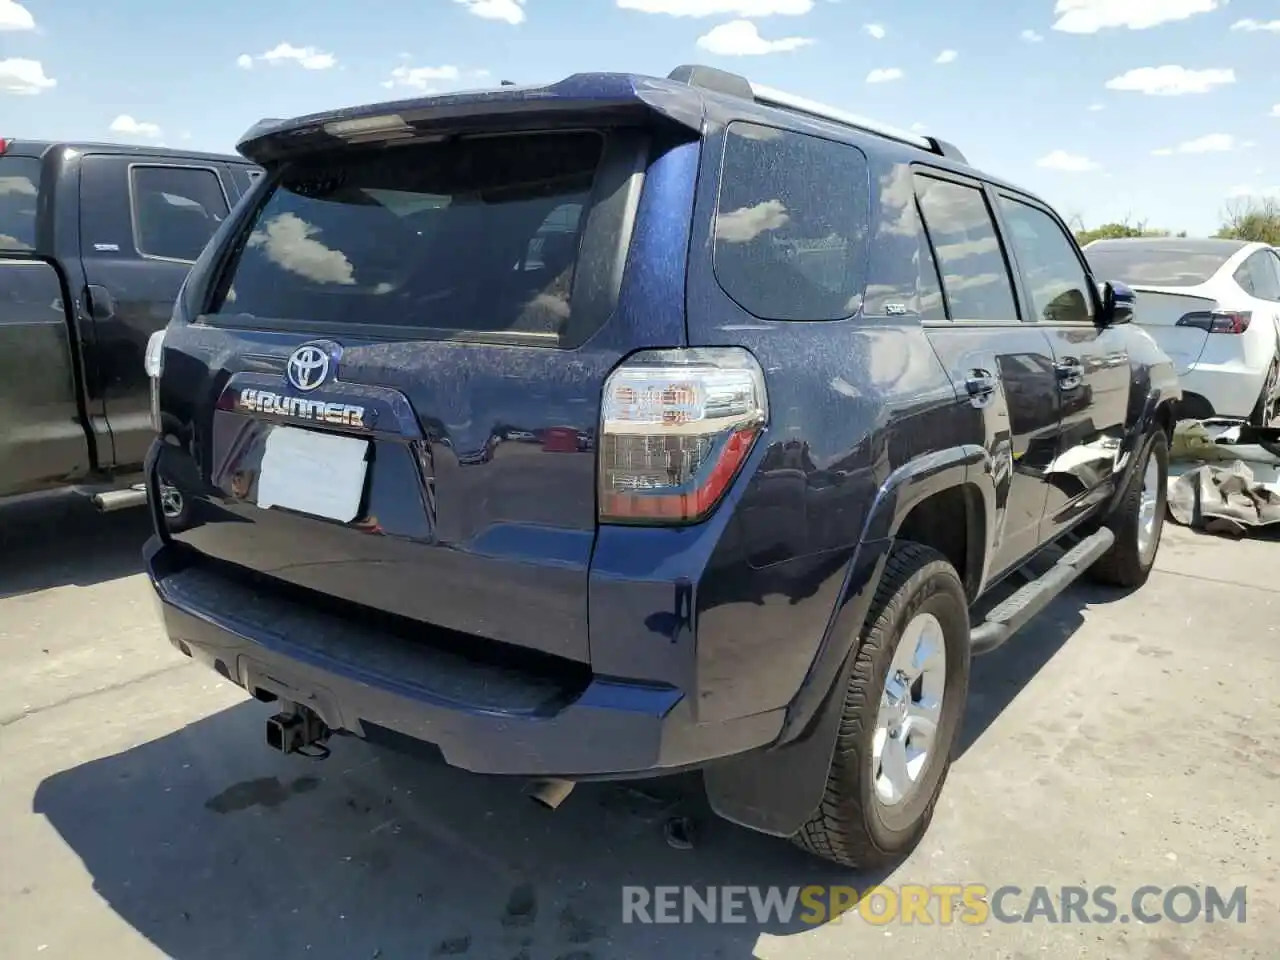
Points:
(981, 385)
(98, 302)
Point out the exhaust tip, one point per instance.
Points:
(549, 793)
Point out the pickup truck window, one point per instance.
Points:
(784, 251)
(19, 189)
(1046, 258)
(175, 210)
(975, 277)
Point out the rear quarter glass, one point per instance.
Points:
(477, 237)
(791, 224)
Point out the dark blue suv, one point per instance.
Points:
(626, 426)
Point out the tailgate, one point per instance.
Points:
(401, 374)
(1158, 310)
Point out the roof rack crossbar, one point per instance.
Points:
(723, 81)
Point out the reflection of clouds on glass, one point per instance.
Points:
(746, 223)
(13, 243)
(968, 248)
(956, 282)
(952, 210)
(287, 241)
(17, 186)
(897, 197)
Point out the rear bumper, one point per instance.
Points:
(482, 717)
(1230, 390)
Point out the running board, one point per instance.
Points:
(1013, 613)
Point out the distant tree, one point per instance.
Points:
(1120, 230)
(1252, 218)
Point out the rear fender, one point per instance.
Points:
(776, 790)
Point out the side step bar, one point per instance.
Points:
(1012, 614)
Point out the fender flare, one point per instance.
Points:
(776, 789)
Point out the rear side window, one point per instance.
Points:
(791, 224)
(1165, 264)
(1257, 276)
(471, 236)
(175, 210)
(19, 191)
(975, 278)
(1047, 260)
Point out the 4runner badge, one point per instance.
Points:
(317, 411)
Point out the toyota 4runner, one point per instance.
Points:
(627, 425)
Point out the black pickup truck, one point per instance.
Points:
(95, 242)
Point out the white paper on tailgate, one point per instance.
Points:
(316, 473)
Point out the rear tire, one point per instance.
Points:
(1138, 519)
(1264, 411)
(861, 821)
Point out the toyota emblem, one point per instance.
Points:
(308, 367)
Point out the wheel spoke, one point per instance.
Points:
(922, 723)
(893, 767)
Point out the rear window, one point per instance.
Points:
(1162, 266)
(791, 224)
(19, 190)
(472, 236)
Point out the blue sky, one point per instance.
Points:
(1160, 110)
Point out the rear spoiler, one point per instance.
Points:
(611, 97)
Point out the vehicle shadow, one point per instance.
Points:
(64, 541)
(211, 846)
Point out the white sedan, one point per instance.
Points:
(1214, 307)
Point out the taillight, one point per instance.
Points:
(4, 145)
(153, 364)
(676, 427)
(1218, 321)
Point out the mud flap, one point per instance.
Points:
(776, 791)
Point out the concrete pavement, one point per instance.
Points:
(1120, 740)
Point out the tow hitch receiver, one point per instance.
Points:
(298, 729)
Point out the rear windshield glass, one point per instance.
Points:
(19, 188)
(476, 235)
(1162, 266)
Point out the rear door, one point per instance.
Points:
(143, 223)
(998, 364)
(1090, 363)
(42, 439)
(390, 397)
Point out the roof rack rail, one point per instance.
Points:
(735, 85)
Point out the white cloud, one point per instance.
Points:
(947, 56)
(1170, 80)
(1067, 162)
(1254, 26)
(1095, 107)
(1031, 36)
(309, 58)
(740, 38)
(746, 223)
(1211, 143)
(420, 78)
(918, 127)
(14, 16)
(1090, 16)
(134, 128)
(875, 30)
(884, 75)
(508, 11)
(719, 8)
(25, 77)
(289, 241)
(244, 62)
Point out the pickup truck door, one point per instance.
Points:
(1000, 366)
(144, 220)
(1091, 363)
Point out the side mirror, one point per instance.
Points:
(1117, 303)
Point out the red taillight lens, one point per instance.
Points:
(676, 427)
(4, 145)
(1218, 321)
